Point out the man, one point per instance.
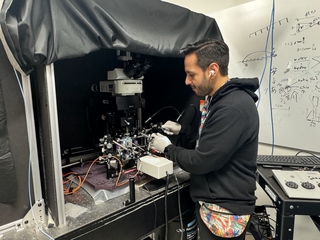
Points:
(223, 164)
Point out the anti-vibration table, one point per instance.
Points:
(113, 220)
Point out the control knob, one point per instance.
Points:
(291, 184)
(307, 185)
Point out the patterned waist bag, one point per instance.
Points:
(221, 222)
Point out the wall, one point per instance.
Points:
(210, 7)
(207, 6)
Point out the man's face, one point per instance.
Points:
(195, 77)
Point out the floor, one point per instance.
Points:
(249, 237)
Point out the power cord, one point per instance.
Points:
(181, 230)
(260, 226)
(166, 206)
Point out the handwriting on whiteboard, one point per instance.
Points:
(295, 73)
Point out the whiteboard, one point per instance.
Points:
(289, 93)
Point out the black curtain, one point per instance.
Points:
(43, 31)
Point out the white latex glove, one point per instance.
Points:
(171, 128)
(159, 142)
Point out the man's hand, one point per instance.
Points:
(171, 128)
(159, 142)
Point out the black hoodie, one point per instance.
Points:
(222, 168)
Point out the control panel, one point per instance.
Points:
(299, 184)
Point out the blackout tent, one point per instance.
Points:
(41, 32)
(44, 31)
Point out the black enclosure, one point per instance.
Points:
(79, 107)
(81, 38)
(44, 31)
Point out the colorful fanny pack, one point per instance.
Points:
(221, 222)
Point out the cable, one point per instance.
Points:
(307, 152)
(29, 165)
(195, 114)
(179, 208)
(265, 62)
(166, 207)
(120, 172)
(180, 139)
(271, 28)
(181, 114)
(270, 90)
(81, 181)
(261, 223)
(150, 118)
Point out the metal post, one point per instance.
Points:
(55, 141)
